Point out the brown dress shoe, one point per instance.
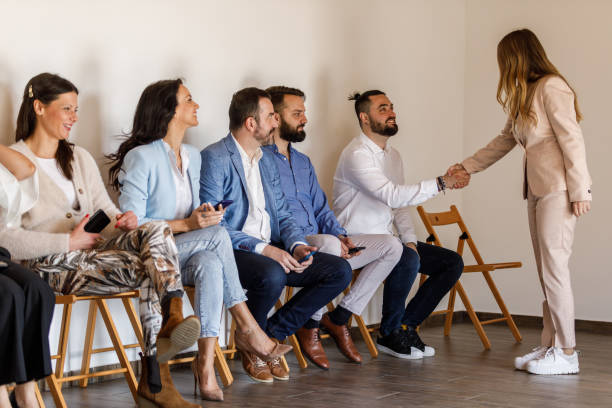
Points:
(168, 397)
(342, 337)
(277, 370)
(255, 367)
(311, 346)
(177, 333)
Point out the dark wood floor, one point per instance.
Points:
(461, 374)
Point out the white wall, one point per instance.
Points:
(412, 49)
(576, 36)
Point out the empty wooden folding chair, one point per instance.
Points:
(97, 303)
(453, 217)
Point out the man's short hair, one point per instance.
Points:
(277, 95)
(363, 102)
(245, 103)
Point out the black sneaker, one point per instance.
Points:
(415, 341)
(397, 344)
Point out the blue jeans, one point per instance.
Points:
(443, 267)
(265, 279)
(206, 260)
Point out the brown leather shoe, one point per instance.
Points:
(255, 367)
(311, 346)
(168, 397)
(277, 370)
(177, 333)
(342, 337)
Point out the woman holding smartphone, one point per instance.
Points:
(158, 177)
(543, 118)
(52, 241)
(26, 301)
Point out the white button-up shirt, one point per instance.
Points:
(183, 195)
(257, 223)
(370, 196)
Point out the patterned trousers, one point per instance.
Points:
(143, 259)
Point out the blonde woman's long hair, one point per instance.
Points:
(522, 62)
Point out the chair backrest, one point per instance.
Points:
(446, 218)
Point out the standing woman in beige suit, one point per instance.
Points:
(543, 120)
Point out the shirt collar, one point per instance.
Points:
(245, 157)
(182, 152)
(374, 148)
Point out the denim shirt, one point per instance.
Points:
(306, 200)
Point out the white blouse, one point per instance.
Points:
(16, 197)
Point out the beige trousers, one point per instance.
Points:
(552, 224)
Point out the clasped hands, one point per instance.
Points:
(456, 176)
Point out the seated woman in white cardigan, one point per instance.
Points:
(159, 179)
(26, 301)
(52, 241)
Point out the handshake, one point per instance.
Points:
(456, 176)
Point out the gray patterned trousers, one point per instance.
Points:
(143, 259)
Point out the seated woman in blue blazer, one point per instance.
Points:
(158, 178)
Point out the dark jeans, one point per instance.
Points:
(264, 280)
(26, 309)
(443, 267)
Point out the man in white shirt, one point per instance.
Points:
(371, 197)
(270, 250)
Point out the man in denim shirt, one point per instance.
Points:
(311, 212)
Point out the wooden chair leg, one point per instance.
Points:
(39, 398)
(297, 351)
(231, 344)
(118, 345)
(56, 391)
(134, 320)
(502, 307)
(88, 346)
(222, 368)
(63, 342)
(365, 333)
(448, 321)
(475, 321)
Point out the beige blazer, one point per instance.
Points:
(554, 154)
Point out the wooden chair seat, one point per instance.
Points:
(453, 217)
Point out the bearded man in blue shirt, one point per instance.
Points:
(311, 213)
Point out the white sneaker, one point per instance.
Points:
(520, 363)
(554, 362)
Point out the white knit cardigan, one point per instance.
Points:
(45, 228)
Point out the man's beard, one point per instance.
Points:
(262, 138)
(290, 134)
(384, 129)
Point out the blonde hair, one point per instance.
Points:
(522, 62)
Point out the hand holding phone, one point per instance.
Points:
(224, 204)
(307, 257)
(354, 250)
(97, 222)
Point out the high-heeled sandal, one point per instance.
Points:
(214, 395)
(242, 342)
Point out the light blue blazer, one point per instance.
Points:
(146, 184)
(222, 178)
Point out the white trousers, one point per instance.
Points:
(382, 253)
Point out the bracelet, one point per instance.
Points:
(441, 183)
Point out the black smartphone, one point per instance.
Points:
(224, 203)
(97, 222)
(307, 257)
(351, 251)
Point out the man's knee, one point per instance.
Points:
(328, 244)
(394, 247)
(455, 262)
